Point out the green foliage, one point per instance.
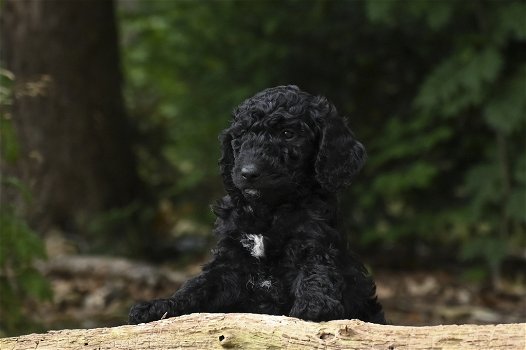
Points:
(477, 92)
(8, 144)
(461, 81)
(20, 282)
(506, 108)
(435, 90)
(129, 223)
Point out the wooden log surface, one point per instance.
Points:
(251, 331)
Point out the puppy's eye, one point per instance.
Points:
(288, 134)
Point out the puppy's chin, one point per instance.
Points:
(251, 194)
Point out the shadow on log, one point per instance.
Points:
(251, 331)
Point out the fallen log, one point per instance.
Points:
(251, 331)
(109, 267)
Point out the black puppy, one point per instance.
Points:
(285, 156)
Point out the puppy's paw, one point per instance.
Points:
(317, 308)
(147, 312)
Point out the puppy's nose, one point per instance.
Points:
(249, 172)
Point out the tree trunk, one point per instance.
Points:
(250, 331)
(76, 155)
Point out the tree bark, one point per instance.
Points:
(76, 155)
(250, 331)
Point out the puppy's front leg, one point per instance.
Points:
(316, 303)
(318, 288)
(185, 300)
(216, 288)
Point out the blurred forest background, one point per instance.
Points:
(109, 116)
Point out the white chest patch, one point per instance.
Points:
(254, 243)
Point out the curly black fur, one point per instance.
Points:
(285, 155)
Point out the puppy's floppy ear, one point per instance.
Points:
(340, 155)
(226, 162)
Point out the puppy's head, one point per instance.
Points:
(284, 141)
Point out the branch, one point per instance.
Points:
(251, 331)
